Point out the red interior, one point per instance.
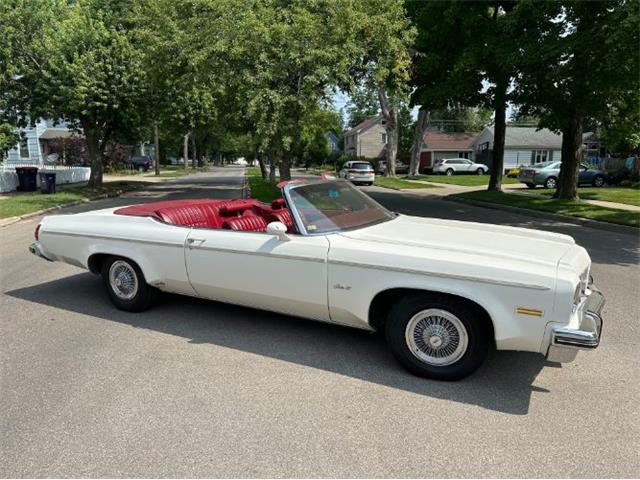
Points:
(243, 215)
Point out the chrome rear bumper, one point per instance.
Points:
(565, 342)
(36, 249)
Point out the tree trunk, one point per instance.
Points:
(156, 144)
(185, 151)
(263, 168)
(418, 137)
(567, 188)
(94, 153)
(390, 115)
(497, 166)
(285, 166)
(272, 169)
(193, 150)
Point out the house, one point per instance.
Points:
(439, 145)
(33, 146)
(367, 139)
(522, 146)
(333, 141)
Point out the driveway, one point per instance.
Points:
(195, 388)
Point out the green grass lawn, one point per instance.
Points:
(562, 207)
(628, 195)
(261, 189)
(166, 171)
(399, 184)
(464, 180)
(19, 204)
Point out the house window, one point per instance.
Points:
(539, 156)
(384, 138)
(24, 148)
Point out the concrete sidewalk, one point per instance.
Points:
(446, 189)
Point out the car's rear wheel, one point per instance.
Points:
(437, 337)
(127, 286)
(480, 171)
(550, 182)
(598, 181)
(449, 172)
(530, 185)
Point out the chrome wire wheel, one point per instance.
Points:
(436, 337)
(123, 280)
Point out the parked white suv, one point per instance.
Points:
(450, 166)
(358, 172)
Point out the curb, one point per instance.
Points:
(5, 222)
(583, 222)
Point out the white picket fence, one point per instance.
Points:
(64, 175)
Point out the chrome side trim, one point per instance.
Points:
(440, 275)
(120, 239)
(259, 254)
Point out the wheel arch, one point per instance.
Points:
(382, 302)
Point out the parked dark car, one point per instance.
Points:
(142, 163)
(546, 174)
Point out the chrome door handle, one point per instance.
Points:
(193, 242)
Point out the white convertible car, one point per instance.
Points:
(443, 292)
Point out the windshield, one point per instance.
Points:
(335, 206)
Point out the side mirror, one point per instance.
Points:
(278, 229)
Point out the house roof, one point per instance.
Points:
(448, 140)
(363, 125)
(530, 137)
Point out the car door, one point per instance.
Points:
(259, 270)
(584, 175)
(467, 165)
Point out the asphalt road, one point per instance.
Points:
(196, 388)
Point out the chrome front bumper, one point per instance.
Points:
(565, 342)
(36, 249)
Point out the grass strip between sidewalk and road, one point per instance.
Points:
(626, 195)
(400, 184)
(18, 204)
(462, 180)
(562, 207)
(261, 189)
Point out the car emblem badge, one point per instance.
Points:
(337, 286)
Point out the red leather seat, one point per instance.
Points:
(278, 203)
(236, 207)
(196, 215)
(254, 223)
(283, 216)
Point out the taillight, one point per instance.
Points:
(37, 233)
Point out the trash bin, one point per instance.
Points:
(48, 182)
(27, 179)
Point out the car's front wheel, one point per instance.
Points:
(480, 171)
(436, 336)
(550, 182)
(127, 286)
(598, 181)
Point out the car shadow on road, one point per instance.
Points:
(503, 384)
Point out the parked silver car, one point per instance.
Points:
(449, 166)
(358, 172)
(546, 174)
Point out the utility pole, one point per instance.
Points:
(156, 141)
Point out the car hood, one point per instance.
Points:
(456, 238)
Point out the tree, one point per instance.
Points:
(80, 66)
(467, 56)
(8, 138)
(586, 63)
(363, 103)
(460, 118)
